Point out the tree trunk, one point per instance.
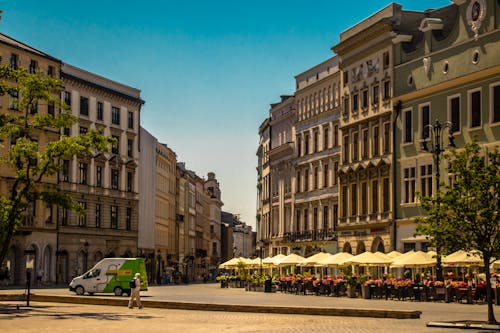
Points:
(489, 296)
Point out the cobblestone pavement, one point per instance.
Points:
(59, 318)
(63, 318)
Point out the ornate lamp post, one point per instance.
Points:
(435, 137)
(261, 244)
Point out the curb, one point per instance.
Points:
(319, 311)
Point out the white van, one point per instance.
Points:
(110, 275)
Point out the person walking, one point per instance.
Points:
(135, 292)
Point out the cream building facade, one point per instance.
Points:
(317, 155)
(366, 187)
(212, 188)
(106, 184)
(35, 243)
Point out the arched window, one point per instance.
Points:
(347, 248)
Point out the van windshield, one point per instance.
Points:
(92, 273)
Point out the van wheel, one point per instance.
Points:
(79, 290)
(118, 291)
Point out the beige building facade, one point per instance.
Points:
(106, 184)
(366, 187)
(317, 155)
(35, 244)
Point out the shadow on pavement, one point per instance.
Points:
(9, 312)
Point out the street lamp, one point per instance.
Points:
(435, 136)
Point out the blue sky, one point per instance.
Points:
(208, 70)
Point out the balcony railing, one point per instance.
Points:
(311, 235)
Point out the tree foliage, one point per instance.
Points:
(465, 214)
(31, 164)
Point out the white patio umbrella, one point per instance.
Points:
(290, 260)
(463, 258)
(394, 254)
(335, 259)
(272, 261)
(414, 259)
(314, 259)
(367, 259)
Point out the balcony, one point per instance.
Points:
(311, 235)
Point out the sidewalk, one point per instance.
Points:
(212, 297)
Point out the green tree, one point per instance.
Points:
(465, 214)
(31, 167)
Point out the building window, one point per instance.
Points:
(14, 100)
(409, 185)
(306, 144)
(13, 62)
(335, 172)
(336, 135)
(115, 115)
(84, 106)
(67, 98)
(387, 90)
(114, 217)
(98, 215)
(50, 71)
(130, 119)
(376, 141)
(315, 139)
(346, 78)
(345, 198)
(82, 220)
(326, 223)
(386, 199)
(375, 202)
(115, 178)
(65, 171)
(426, 180)
(346, 149)
(315, 225)
(386, 59)
(115, 147)
(64, 216)
(98, 176)
(364, 199)
(355, 146)
(100, 111)
(407, 127)
(354, 199)
(495, 103)
(454, 113)
(475, 108)
(297, 217)
(346, 106)
(130, 181)
(425, 114)
(306, 180)
(83, 130)
(33, 108)
(375, 95)
(335, 216)
(66, 131)
(33, 66)
(130, 148)
(83, 169)
(306, 219)
(326, 138)
(128, 219)
(364, 99)
(315, 179)
(51, 109)
(325, 176)
(355, 103)
(365, 144)
(387, 138)
(299, 146)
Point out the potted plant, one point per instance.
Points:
(352, 283)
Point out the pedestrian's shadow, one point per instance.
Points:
(9, 312)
